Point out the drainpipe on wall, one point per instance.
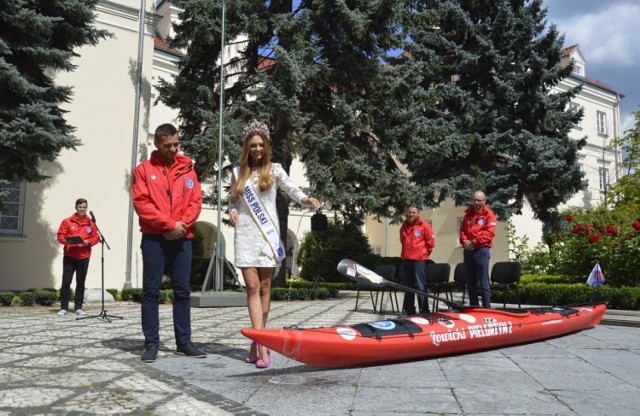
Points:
(134, 142)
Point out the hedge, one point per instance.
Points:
(627, 298)
(6, 298)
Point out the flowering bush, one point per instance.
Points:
(610, 238)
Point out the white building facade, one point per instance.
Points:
(103, 111)
(600, 124)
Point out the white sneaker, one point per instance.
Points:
(62, 312)
(80, 312)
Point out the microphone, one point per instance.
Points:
(93, 218)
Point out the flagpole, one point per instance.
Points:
(219, 265)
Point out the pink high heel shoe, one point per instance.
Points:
(252, 358)
(265, 361)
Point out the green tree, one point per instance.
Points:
(321, 251)
(302, 71)
(467, 106)
(626, 192)
(478, 112)
(37, 39)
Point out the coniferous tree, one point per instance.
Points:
(341, 143)
(313, 74)
(37, 39)
(479, 113)
(467, 105)
(309, 73)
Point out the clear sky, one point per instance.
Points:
(608, 34)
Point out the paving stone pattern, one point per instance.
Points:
(58, 365)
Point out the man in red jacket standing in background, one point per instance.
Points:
(168, 200)
(476, 236)
(417, 241)
(76, 254)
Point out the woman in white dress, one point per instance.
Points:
(252, 211)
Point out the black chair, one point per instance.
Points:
(388, 271)
(459, 280)
(437, 280)
(505, 276)
(367, 287)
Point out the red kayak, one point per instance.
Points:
(425, 336)
(461, 330)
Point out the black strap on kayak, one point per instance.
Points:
(378, 331)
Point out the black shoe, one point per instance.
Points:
(150, 353)
(190, 351)
(404, 314)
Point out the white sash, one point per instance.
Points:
(262, 219)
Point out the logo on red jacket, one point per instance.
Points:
(417, 233)
(189, 183)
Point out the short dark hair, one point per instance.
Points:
(164, 130)
(81, 201)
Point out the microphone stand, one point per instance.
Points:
(103, 313)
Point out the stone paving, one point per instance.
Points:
(57, 365)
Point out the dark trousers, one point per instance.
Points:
(176, 255)
(414, 276)
(476, 263)
(69, 267)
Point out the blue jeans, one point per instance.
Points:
(176, 254)
(414, 276)
(476, 263)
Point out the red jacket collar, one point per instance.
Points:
(472, 211)
(180, 161)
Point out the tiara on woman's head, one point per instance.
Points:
(256, 127)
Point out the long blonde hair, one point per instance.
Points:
(264, 168)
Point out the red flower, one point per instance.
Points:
(636, 224)
(569, 217)
(602, 231)
(576, 229)
(594, 239)
(612, 230)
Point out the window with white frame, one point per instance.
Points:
(601, 120)
(574, 108)
(577, 69)
(12, 212)
(604, 179)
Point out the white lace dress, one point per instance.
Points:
(249, 242)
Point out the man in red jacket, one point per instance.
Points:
(417, 241)
(476, 236)
(78, 233)
(167, 198)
